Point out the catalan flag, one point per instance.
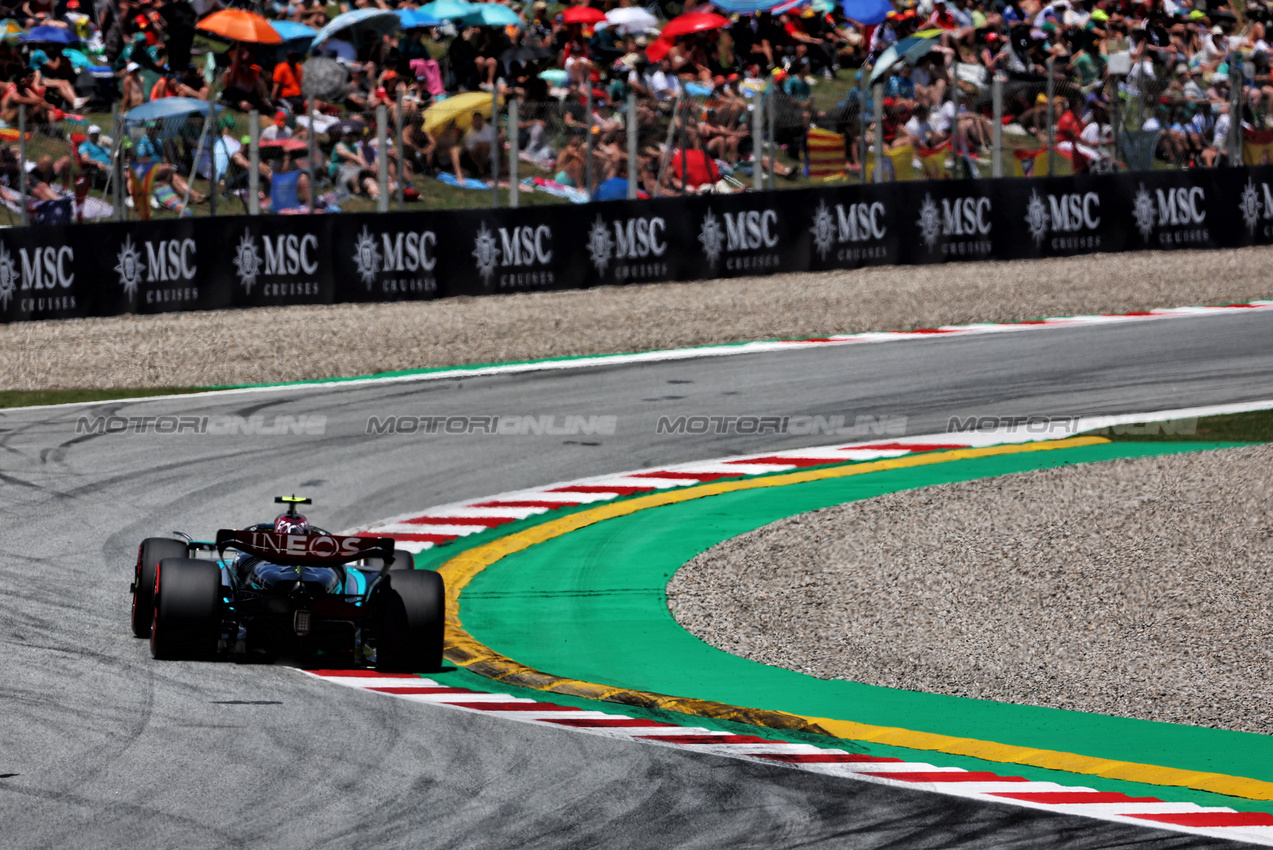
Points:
(825, 157)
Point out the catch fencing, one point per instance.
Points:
(751, 136)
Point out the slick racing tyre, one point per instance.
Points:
(152, 551)
(187, 618)
(410, 638)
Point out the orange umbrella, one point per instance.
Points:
(240, 25)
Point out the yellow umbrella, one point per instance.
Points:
(459, 109)
(9, 30)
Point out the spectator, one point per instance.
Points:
(244, 86)
(571, 163)
(352, 172)
(43, 176)
(278, 129)
(479, 139)
(149, 151)
(94, 156)
(288, 78)
(52, 83)
(191, 83)
(24, 93)
(179, 30)
(134, 93)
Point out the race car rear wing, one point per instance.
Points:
(304, 549)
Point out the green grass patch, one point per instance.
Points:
(1253, 427)
(27, 398)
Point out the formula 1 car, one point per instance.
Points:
(290, 591)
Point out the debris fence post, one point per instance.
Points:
(382, 159)
(514, 151)
(402, 162)
(495, 145)
(772, 138)
(254, 163)
(1051, 117)
(1236, 86)
(758, 144)
(877, 97)
(22, 164)
(862, 122)
(588, 141)
(313, 156)
(215, 138)
(633, 161)
(996, 152)
(118, 189)
(957, 161)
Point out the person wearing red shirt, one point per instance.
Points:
(942, 18)
(288, 77)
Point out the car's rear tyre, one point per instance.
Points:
(149, 554)
(414, 616)
(187, 618)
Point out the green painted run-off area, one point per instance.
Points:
(591, 605)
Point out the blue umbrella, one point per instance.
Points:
(379, 21)
(909, 50)
(49, 35)
(292, 31)
(491, 15)
(445, 10)
(167, 107)
(412, 18)
(868, 12)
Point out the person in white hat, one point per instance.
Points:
(134, 89)
(94, 156)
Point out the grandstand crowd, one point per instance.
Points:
(1171, 70)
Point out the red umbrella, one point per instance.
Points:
(240, 25)
(284, 145)
(693, 22)
(657, 49)
(583, 15)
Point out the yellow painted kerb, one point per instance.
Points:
(464, 650)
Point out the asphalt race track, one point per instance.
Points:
(101, 746)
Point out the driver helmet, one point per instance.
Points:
(295, 524)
